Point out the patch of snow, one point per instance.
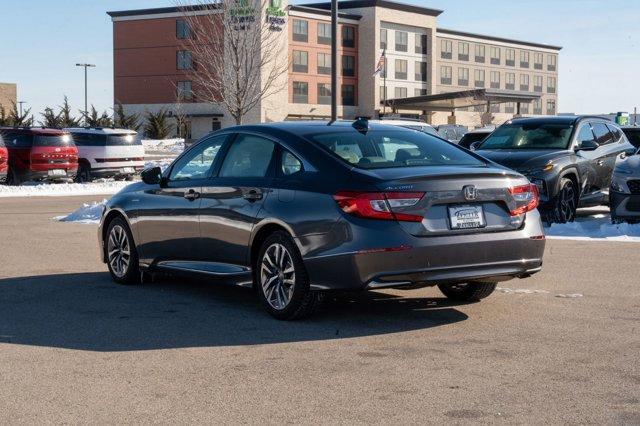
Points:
(594, 227)
(520, 291)
(105, 187)
(88, 214)
(163, 163)
(173, 146)
(570, 296)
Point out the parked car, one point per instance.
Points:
(474, 136)
(624, 196)
(633, 134)
(569, 158)
(409, 124)
(107, 153)
(4, 161)
(39, 154)
(296, 209)
(451, 132)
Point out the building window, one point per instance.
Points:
(551, 107)
(348, 36)
(510, 81)
(300, 30)
(300, 92)
(495, 79)
(421, 71)
(402, 44)
(445, 75)
(348, 66)
(183, 30)
(494, 108)
(184, 60)
(524, 82)
(510, 58)
(495, 55)
(300, 61)
(419, 92)
(551, 85)
(463, 51)
(348, 95)
(551, 62)
(401, 69)
(383, 94)
(324, 93)
(524, 108)
(383, 39)
(480, 51)
(324, 33)
(184, 91)
(324, 63)
(524, 59)
(479, 78)
(383, 71)
(510, 107)
(537, 83)
(463, 76)
(537, 107)
(446, 47)
(421, 44)
(537, 61)
(400, 92)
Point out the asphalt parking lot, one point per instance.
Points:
(75, 348)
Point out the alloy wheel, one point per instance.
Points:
(277, 276)
(119, 251)
(567, 204)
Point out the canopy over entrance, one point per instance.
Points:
(467, 98)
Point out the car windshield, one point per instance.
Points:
(470, 138)
(61, 140)
(536, 135)
(378, 149)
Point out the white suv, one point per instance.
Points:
(107, 152)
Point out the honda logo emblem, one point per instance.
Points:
(470, 192)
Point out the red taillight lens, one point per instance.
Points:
(379, 205)
(526, 197)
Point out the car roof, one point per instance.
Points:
(42, 131)
(101, 130)
(313, 126)
(481, 130)
(394, 122)
(637, 128)
(558, 119)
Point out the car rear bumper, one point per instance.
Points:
(624, 205)
(43, 175)
(115, 171)
(426, 261)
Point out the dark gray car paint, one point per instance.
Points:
(216, 233)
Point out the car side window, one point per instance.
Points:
(585, 134)
(248, 156)
(197, 163)
(290, 164)
(602, 134)
(617, 133)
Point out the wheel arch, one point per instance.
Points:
(572, 174)
(263, 231)
(110, 216)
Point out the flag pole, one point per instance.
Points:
(384, 106)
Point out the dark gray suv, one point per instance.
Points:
(569, 158)
(297, 209)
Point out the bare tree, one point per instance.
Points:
(238, 53)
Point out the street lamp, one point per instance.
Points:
(20, 103)
(334, 60)
(86, 110)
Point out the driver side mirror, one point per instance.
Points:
(475, 145)
(152, 176)
(588, 146)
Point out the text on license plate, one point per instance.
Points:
(128, 170)
(466, 217)
(57, 172)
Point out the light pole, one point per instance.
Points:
(20, 103)
(86, 110)
(334, 60)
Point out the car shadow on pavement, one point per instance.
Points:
(88, 312)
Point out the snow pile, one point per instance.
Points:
(62, 189)
(528, 291)
(172, 146)
(163, 163)
(596, 227)
(87, 214)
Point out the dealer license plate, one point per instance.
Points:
(466, 217)
(128, 170)
(57, 172)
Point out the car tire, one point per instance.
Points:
(12, 178)
(84, 174)
(282, 280)
(565, 203)
(467, 292)
(121, 253)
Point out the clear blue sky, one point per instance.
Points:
(43, 39)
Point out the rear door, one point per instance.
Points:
(168, 216)
(606, 153)
(589, 168)
(232, 198)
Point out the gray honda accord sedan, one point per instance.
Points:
(296, 209)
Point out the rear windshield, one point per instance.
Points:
(62, 140)
(634, 136)
(89, 139)
(529, 136)
(380, 149)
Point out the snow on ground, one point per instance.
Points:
(171, 146)
(528, 291)
(106, 187)
(163, 163)
(88, 214)
(594, 224)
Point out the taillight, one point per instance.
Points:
(526, 197)
(379, 205)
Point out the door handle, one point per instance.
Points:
(252, 195)
(600, 163)
(192, 195)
